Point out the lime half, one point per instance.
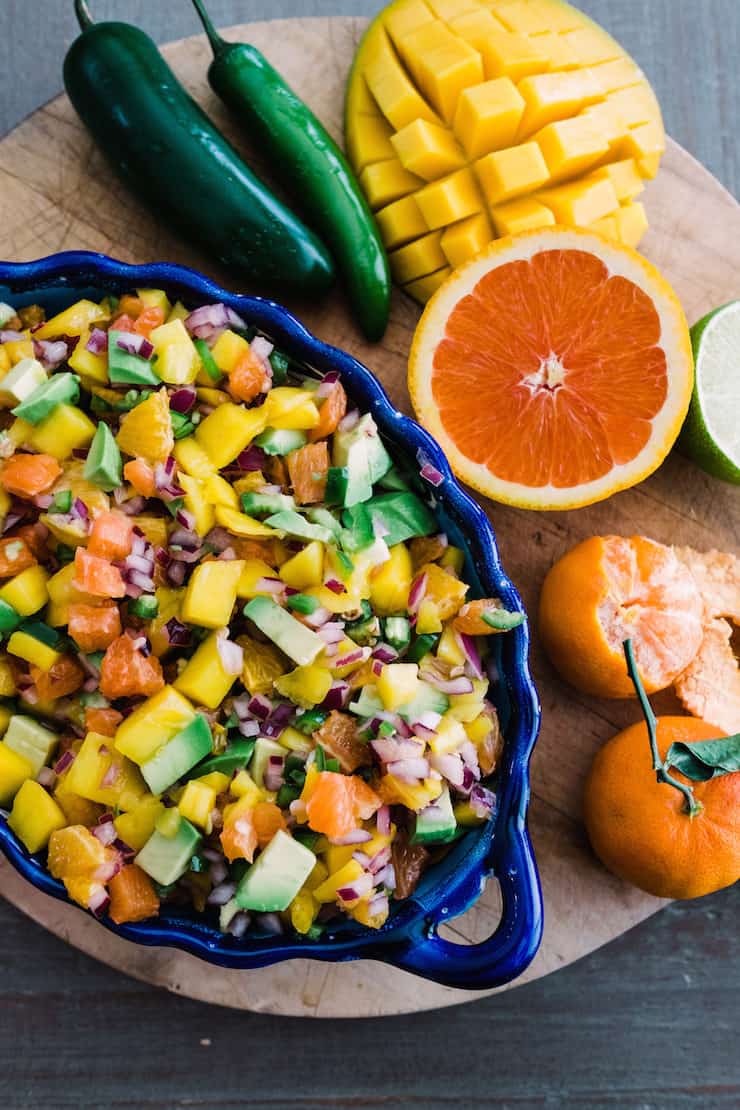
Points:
(711, 434)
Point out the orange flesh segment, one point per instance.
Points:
(568, 358)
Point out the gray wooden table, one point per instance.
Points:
(651, 1022)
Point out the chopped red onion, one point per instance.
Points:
(111, 775)
(262, 348)
(66, 759)
(141, 563)
(385, 653)
(353, 658)
(378, 905)
(239, 924)
(260, 706)
(221, 894)
(424, 733)
(176, 573)
(46, 778)
(450, 766)
(185, 538)
(461, 685)
(417, 592)
(177, 633)
(377, 668)
(390, 749)
(282, 713)
(230, 653)
(249, 728)
(270, 922)
(273, 586)
(430, 474)
(7, 335)
(105, 831)
(470, 650)
(383, 820)
(252, 458)
(98, 901)
(272, 729)
(386, 878)
(274, 772)
(43, 501)
(429, 719)
(133, 506)
(219, 539)
(482, 801)
(185, 519)
(337, 695)
(362, 885)
(97, 343)
(50, 352)
(327, 385)
(409, 770)
(347, 423)
(357, 836)
(332, 632)
(334, 585)
(182, 400)
(379, 860)
(134, 344)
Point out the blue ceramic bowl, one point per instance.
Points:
(500, 848)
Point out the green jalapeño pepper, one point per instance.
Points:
(169, 152)
(311, 168)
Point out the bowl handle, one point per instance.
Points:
(505, 954)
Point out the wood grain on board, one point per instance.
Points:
(56, 194)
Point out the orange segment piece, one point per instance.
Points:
(132, 895)
(126, 672)
(608, 589)
(554, 369)
(28, 475)
(111, 536)
(96, 576)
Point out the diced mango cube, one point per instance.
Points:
(327, 891)
(475, 26)
(581, 202)
(87, 364)
(252, 571)
(74, 320)
(27, 592)
(289, 408)
(306, 686)
(449, 735)
(204, 679)
(647, 144)
(453, 198)
(228, 349)
(556, 96)
(135, 827)
(303, 910)
(637, 105)
(427, 150)
(102, 774)
(466, 239)
(488, 116)
(391, 581)
(407, 16)
(400, 222)
(196, 804)
(178, 361)
(417, 259)
(197, 503)
(35, 816)
(243, 786)
(65, 430)
(306, 568)
(227, 430)
(606, 226)
(33, 651)
(211, 593)
(416, 797)
(423, 288)
(192, 458)
(384, 182)
(155, 722)
(295, 741)
(505, 174)
(398, 684)
(14, 770)
(7, 681)
(155, 298)
(559, 54)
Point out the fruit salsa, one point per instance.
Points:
(241, 672)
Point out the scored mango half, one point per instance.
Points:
(469, 120)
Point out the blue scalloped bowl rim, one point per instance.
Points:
(502, 847)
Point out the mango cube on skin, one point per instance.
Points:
(428, 150)
(101, 774)
(306, 686)
(522, 17)
(606, 226)
(417, 259)
(196, 804)
(453, 198)
(74, 320)
(521, 215)
(33, 651)
(506, 174)
(559, 54)
(474, 25)
(384, 182)
(396, 96)
(631, 223)
(135, 827)
(624, 176)
(204, 679)
(368, 141)
(228, 349)
(571, 146)
(192, 458)
(64, 431)
(646, 143)
(35, 816)
(581, 203)
(400, 222)
(211, 593)
(616, 75)
(178, 361)
(509, 54)
(227, 430)
(592, 45)
(466, 239)
(398, 684)
(306, 568)
(441, 63)
(555, 96)
(423, 288)
(14, 770)
(488, 116)
(152, 724)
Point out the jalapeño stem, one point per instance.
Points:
(662, 773)
(84, 16)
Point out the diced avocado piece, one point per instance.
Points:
(235, 758)
(209, 363)
(336, 485)
(263, 750)
(166, 858)
(324, 519)
(280, 365)
(359, 530)
(358, 487)
(502, 619)
(293, 524)
(21, 381)
(9, 619)
(368, 703)
(58, 390)
(393, 480)
(436, 824)
(175, 758)
(31, 740)
(402, 516)
(281, 441)
(124, 368)
(264, 504)
(427, 699)
(366, 432)
(276, 876)
(397, 632)
(421, 646)
(103, 466)
(298, 642)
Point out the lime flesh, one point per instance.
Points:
(711, 433)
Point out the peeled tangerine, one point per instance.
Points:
(468, 120)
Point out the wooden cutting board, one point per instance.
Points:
(57, 194)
